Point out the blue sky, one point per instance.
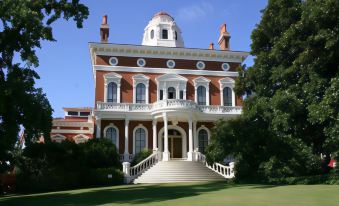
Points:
(65, 68)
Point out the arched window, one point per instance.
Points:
(112, 92)
(227, 95)
(171, 93)
(141, 93)
(111, 134)
(152, 34)
(140, 140)
(203, 140)
(201, 91)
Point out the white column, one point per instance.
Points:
(177, 92)
(119, 94)
(184, 94)
(126, 153)
(154, 124)
(195, 136)
(98, 123)
(166, 154)
(164, 92)
(190, 140)
(222, 96)
(233, 98)
(208, 95)
(195, 95)
(134, 94)
(147, 94)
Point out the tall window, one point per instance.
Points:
(161, 95)
(203, 140)
(171, 93)
(164, 34)
(111, 134)
(201, 91)
(140, 140)
(141, 93)
(227, 95)
(152, 34)
(176, 35)
(112, 92)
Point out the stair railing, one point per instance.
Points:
(130, 173)
(225, 171)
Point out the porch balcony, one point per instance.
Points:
(168, 104)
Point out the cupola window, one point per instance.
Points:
(152, 34)
(164, 34)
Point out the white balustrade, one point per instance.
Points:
(167, 104)
(225, 171)
(138, 169)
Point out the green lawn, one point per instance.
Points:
(184, 194)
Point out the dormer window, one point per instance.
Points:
(164, 34)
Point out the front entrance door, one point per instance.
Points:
(175, 147)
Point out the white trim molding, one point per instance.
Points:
(80, 138)
(226, 82)
(137, 79)
(203, 127)
(116, 78)
(111, 125)
(171, 80)
(202, 81)
(146, 136)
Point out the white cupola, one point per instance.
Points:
(162, 31)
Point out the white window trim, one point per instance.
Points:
(58, 137)
(78, 136)
(111, 125)
(116, 78)
(202, 81)
(208, 134)
(141, 65)
(171, 80)
(168, 62)
(200, 68)
(137, 79)
(116, 59)
(146, 136)
(226, 82)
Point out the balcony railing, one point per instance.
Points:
(178, 104)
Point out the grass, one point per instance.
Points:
(184, 194)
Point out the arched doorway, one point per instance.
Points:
(176, 141)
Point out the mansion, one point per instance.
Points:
(158, 95)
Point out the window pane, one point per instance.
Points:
(201, 95)
(141, 93)
(203, 140)
(112, 92)
(227, 95)
(181, 94)
(171, 93)
(161, 94)
(111, 134)
(165, 34)
(140, 140)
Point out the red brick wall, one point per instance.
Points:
(127, 87)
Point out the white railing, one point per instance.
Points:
(131, 173)
(225, 171)
(167, 104)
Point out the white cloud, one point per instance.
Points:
(195, 11)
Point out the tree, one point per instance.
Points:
(24, 24)
(294, 80)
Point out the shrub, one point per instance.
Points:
(55, 166)
(143, 154)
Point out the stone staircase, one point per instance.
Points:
(178, 171)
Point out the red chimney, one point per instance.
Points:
(104, 30)
(211, 46)
(224, 39)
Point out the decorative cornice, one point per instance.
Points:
(166, 71)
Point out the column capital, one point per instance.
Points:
(154, 122)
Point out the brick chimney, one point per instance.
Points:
(104, 30)
(224, 39)
(211, 46)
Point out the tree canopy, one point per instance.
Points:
(24, 24)
(291, 113)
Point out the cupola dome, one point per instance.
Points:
(162, 31)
